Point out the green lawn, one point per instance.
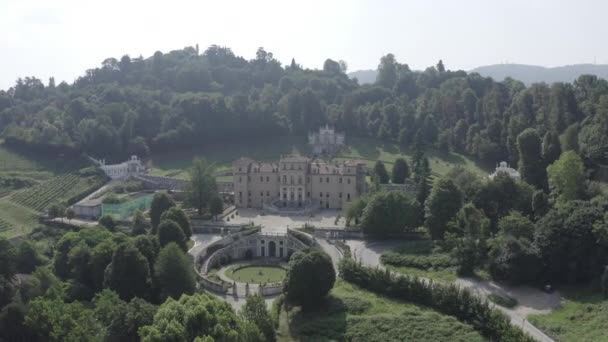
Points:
(353, 314)
(582, 317)
(372, 150)
(16, 220)
(257, 274)
(224, 154)
(174, 163)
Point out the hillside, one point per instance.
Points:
(533, 74)
(528, 74)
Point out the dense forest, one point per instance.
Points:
(184, 99)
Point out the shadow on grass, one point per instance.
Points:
(327, 323)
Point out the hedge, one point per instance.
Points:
(447, 299)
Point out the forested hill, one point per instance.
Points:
(186, 99)
(528, 74)
(534, 74)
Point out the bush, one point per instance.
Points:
(423, 262)
(503, 300)
(447, 299)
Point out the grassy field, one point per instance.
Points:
(422, 259)
(16, 220)
(257, 274)
(370, 150)
(353, 314)
(50, 179)
(582, 317)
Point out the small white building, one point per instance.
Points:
(327, 140)
(131, 167)
(503, 167)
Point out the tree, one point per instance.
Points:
(387, 71)
(567, 176)
(551, 147)
(27, 258)
(201, 186)
(501, 195)
(513, 259)
(401, 171)
(380, 174)
(169, 231)
(466, 180)
(139, 225)
(175, 272)
(56, 210)
(355, 210)
(179, 216)
(390, 213)
(256, 312)
(540, 204)
(55, 321)
(161, 202)
(198, 316)
(443, 203)
(216, 206)
(8, 262)
(569, 238)
(468, 232)
(530, 159)
(149, 247)
(309, 279)
(569, 139)
(69, 214)
(422, 178)
(516, 225)
(129, 273)
(127, 321)
(108, 222)
(440, 67)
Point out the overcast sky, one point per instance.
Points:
(63, 38)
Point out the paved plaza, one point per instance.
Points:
(279, 224)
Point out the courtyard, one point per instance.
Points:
(279, 224)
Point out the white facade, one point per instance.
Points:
(326, 140)
(503, 167)
(131, 167)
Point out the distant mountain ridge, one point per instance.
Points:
(528, 74)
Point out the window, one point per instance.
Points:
(249, 178)
(249, 193)
(308, 194)
(284, 179)
(240, 169)
(340, 180)
(340, 195)
(327, 179)
(240, 179)
(300, 180)
(348, 197)
(327, 195)
(320, 179)
(261, 178)
(280, 242)
(348, 180)
(262, 241)
(267, 179)
(291, 180)
(262, 193)
(320, 194)
(267, 193)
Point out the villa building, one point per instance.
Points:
(326, 141)
(503, 167)
(297, 182)
(129, 168)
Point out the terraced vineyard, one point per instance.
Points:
(4, 225)
(40, 196)
(11, 161)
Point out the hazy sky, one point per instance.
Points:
(63, 38)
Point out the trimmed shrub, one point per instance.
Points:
(447, 299)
